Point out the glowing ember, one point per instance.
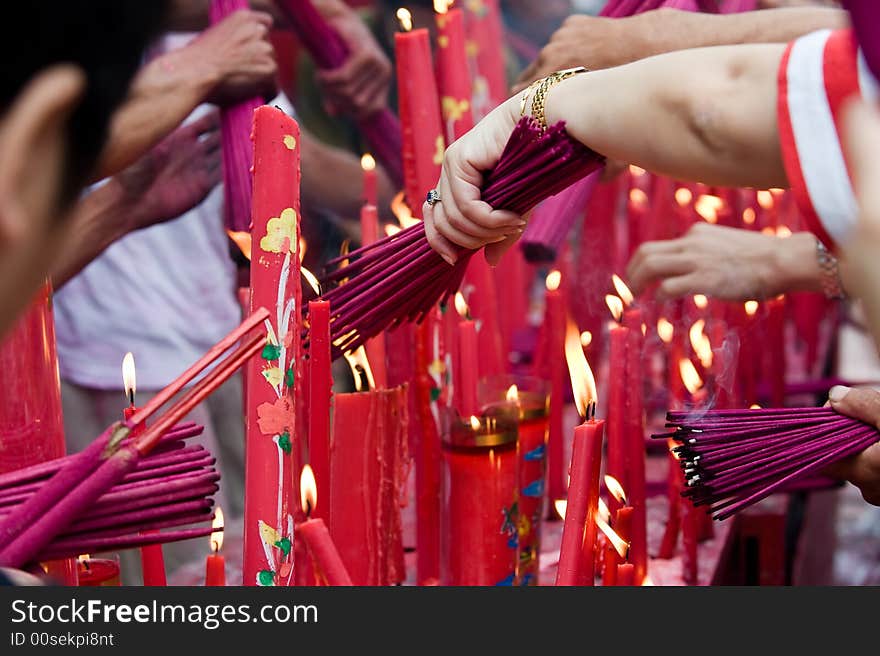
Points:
(405, 19)
(615, 489)
(665, 330)
(217, 533)
(129, 379)
(615, 305)
(554, 278)
(622, 290)
(689, 376)
(308, 490)
(358, 362)
(683, 196)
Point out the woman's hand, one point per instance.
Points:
(863, 469)
(460, 218)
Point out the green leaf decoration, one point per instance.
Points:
(266, 577)
(284, 442)
(271, 352)
(435, 393)
(284, 545)
(288, 377)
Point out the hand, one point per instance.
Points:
(461, 219)
(359, 87)
(239, 46)
(726, 263)
(862, 470)
(174, 176)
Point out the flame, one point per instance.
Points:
(700, 342)
(441, 6)
(767, 230)
(701, 301)
(129, 379)
(765, 199)
(512, 394)
(368, 163)
(308, 490)
(391, 230)
(217, 534)
(622, 290)
(402, 212)
(707, 207)
(475, 423)
(751, 307)
(665, 329)
(242, 239)
(358, 362)
(586, 338)
(689, 375)
(672, 445)
(302, 248)
(615, 305)
(615, 489)
(647, 581)
(755, 406)
(638, 197)
(749, 216)
(783, 232)
(620, 545)
(583, 385)
(602, 511)
(461, 306)
(313, 282)
(553, 280)
(636, 170)
(561, 505)
(683, 196)
(405, 19)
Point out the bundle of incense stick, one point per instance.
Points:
(381, 129)
(71, 493)
(399, 278)
(235, 133)
(734, 458)
(168, 489)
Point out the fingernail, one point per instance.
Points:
(837, 393)
(448, 258)
(522, 223)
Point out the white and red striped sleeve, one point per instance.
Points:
(818, 73)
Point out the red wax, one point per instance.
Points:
(609, 565)
(512, 276)
(626, 574)
(689, 529)
(95, 572)
(485, 33)
(325, 557)
(419, 105)
(483, 306)
(478, 522)
(673, 521)
(369, 224)
(576, 557)
(271, 432)
(617, 393)
(215, 570)
(775, 345)
(635, 443)
(371, 196)
(533, 432)
(453, 76)
(554, 319)
(623, 527)
(466, 369)
(153, 565)
(320, 390)
(375, 347)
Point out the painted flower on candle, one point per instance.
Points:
(440, 150)
(273, 375)
(275, 418)
(289, 141)
(453, 109)
(280, 232)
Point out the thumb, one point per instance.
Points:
(493, 252)
(861, 404)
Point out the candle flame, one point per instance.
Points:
(402, 212)
(391, 229)
(615, 305)
(751, 307)
(475, 423)
(622, 290)
(308, 490)
(368, 163)
(700, 342)
(602, 511)
(561, 505)
(553, 280)
(242, 239)
(689, 375)
(749, 216)
(620, 545)
(701, 301)
(586, 338)
(707, 206)
(765, 199)
(672, 445)
(583, 385)
(302, 248)
(665, 330)
(441, 6)
(129, 379)
(461, 306)
(405, 19)
(358, 362)
(755, 406)
(638, 197)
(783, 232)
(217, 533)
(647, 581)
(636, 170)
(512, 394)
(683, 196)
(615, 489)
(312, 280)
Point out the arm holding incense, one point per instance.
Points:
(228, 62)
(863, 469)
(596, 42)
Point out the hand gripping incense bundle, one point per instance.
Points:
(734, 458)
(399, 278)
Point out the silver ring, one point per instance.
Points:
(433, 197)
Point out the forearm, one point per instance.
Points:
(707, 115)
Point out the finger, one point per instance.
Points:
(861, 404)
(439, 243)
(862, 142)
(651, 249)
(263, 18)
(211, 142)
(463, 225)
(494, 252)
(208, 123)
(679, 286)
(650, 269)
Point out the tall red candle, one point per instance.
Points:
(275, 284)
(215, 563)
(617, 392)
(370, 195)
(325, 556)
(320, 390)
(554, 352)
(376, 346)
(485, 35)
(466, 368)
(626, 574)
(635, 443)
(453, 76)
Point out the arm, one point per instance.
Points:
(706, 114)
(597, 43)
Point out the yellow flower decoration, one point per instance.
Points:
(280, 232)
(454, 109)
(436, 368)
(442, 40)
(273, 375)
(268, 535)
(441, 148)
(471, 48)
(290, 141)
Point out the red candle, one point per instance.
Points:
(775, 346)
(97, 572)
(215, 564)
(376, 346)
(271, 434)
(479, 519)
(325, 557)
(453, 76)
(370, 196)
(673, 497)
(635, 443)
(554, 353)
(320, 391)
(617, 381)
(623, 519)
(626, 574)
(465, 370)
(689, 530)
(485, 35)
(423, 144)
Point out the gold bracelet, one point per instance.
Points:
(541, 87)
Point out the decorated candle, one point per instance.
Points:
(275, 284)
(215, 563)
(326, 560)
(485, 43)
(479, 504)
(453, 76)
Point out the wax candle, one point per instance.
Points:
(617, 337)
(320, 390)
(453, 76)
(370, 195)
(465, 371)
(775, 350)
(97, 572)
(626, 574)
(554, 352)
(271, 433)
(479, 513)
(376, 347)
(485, 36)
(635, 440)
(623, 519)
(325, 557)
(689, 539)
(675, 482)
(215, 563)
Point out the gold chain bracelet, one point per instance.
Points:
(540, 88)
